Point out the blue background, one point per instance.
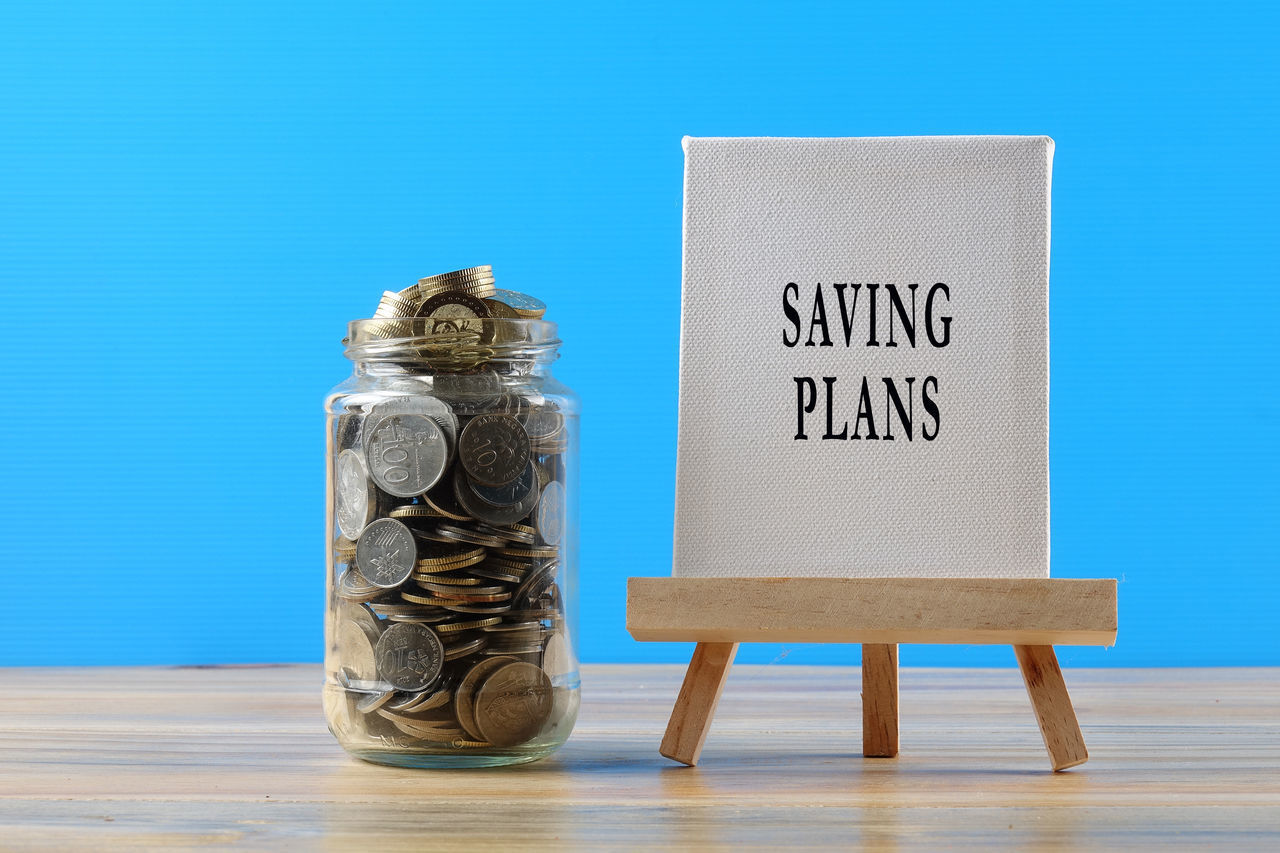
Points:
(195, 197)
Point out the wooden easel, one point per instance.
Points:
(719, 613)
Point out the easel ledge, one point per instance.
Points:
(1032, 615)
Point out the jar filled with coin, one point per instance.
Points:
(451, 511)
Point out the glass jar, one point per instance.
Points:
(452, 545)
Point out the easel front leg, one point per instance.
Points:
(1049, 699)
(696, 704)
(879, 700)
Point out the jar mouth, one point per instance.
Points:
(454, 343)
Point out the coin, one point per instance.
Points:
(443, 500)
(452, 533)
(424, 599)
(551, 513)
(386, 553)
(557, 659)
(523, 304)
(374, 701)
(465, 694)
(477, 281)
(394, 305)
(406, 453)
(501, 310)
(495, 515)
(355, 500)
(478, 609)
(348, 431)
(344, 549)
(495, 574)
(464, 556)
(529, 551)
(543, 423)
(513, 704)
(462, 650)
(426, 700)
(510, 494)
(409, 656)
(453, 312)
(493, 449)
(353, 586)
(470, 625)
(355, 649)
(436, 409)
(415, 511)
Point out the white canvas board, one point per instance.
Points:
(776, 232)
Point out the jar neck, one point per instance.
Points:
(510, 368)
(422, 346)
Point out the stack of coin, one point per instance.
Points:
(449, 625)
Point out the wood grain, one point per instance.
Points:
(879, 700)
(696, 705)
(1052, 706)
(238, 758)
(1045, 611)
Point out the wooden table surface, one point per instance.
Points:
(239, 757)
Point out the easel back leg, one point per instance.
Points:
(879, 700)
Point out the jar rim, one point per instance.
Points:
(413, 339)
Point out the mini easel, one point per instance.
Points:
(719, 613)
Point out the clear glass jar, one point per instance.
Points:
(452, 545)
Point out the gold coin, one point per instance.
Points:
(461, 582)
(448, 508)
(415, 511)
(451, 559)
(475, 281)
(451, 627)
(501, 310)
(453, 566)
(430, 574)
(393, 306)
(470, 272)
(529, 552)
(414, 598)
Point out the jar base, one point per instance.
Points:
(459, 760)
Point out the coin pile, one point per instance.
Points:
(449, 626)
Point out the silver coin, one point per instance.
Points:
(362, 615)
(551, 511)
(453, 533)
(473, 392)
(519, 301)
(355, 498)
(496, 515)
(386, 553)
(409, 656)
(426, 700)
(505, 627)
(421, 404)
(353, 587)
(348, 429)
(543, 423)
(406, 453)
(510, 494)
(350, 680)
(355, 652)
(557, 659)
(374, 701)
